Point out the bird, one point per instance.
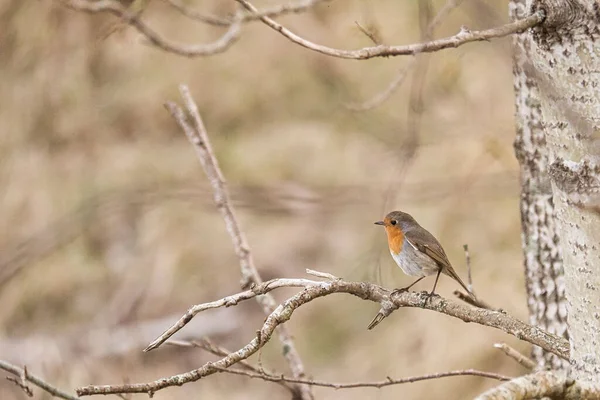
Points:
(416, 251)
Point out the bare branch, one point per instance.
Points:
(416, 107)
(368, 33)
(212, 348)
(516, 355)
(377, 385)
(467, 298)
(23, 375)
(198, 137)
(555, 385)
(21, 382)
(226, 302)
(316, 289)
(382, 96)
(463, 37)
(324, 275)
(442, 14)
(274, 11)
(198, 16)
(468, 262)
(474, 302)
(115, 8)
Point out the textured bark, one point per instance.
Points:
(540, 241)
(564, 60)
(543, 384)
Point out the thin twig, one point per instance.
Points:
(324, 275)
(371, 35)
(382, 96)
(377, 385)
(516, 355)
(21, 385)
(274, 11)
(316, 289)
(461, 38)
(212, 348)
(443, 14)
(198, 137)
(476, 302)
(224, 302)
(131, 18)
(468, 262)
(198, 16)
(21, 382)
(39, 382)
(408, 147)
(472, 299)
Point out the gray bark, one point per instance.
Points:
(563, 59)
(539, 237)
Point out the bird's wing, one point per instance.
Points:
(428, 246)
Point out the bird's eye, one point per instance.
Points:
(393, 222)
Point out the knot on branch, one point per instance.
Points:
(562, 12)
(576, 177)
(565, 20)
(387, 307)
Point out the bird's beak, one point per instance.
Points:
(379, 223)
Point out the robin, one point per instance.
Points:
(416, 251)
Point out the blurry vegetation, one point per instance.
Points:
(83, 127)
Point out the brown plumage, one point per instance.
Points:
(416, 251)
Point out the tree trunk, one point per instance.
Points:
(561, 154)
(539, 238)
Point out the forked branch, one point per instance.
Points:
(187, 50)
(312, 290)
(391, 88)
(273, 11)
(24, 376)
(254, 372)
(198, 137)
(463, 37)
(516, 355)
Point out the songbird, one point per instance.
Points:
(416, 251)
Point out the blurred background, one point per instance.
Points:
(108, 232)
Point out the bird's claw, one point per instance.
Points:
(429, 296)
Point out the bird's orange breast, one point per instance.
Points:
(395, 239)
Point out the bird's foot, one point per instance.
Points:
(429, 296)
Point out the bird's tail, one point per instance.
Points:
(451, 273)
(474, 300)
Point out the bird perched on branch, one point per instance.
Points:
(416, 251)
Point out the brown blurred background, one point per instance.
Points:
(107, 228)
